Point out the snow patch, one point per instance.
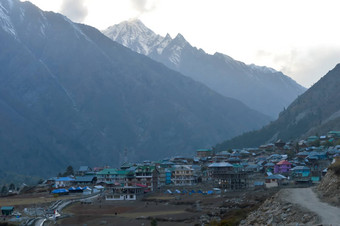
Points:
(263, 69)
(77, 29)
(5, 21)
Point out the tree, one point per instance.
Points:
(69, 171)
(153, 222)
(4, 190)
(12, 187)
(40, 181)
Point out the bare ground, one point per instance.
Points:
(306, 198)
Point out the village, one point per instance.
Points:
(208, 175)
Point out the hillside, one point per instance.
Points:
(329, 188)
(69, 95)
(261, 88)
(317, 111)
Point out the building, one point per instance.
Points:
(116, 177)
(164, 176)
(148, 176)
(202, 153)
(83, 170)
(183, 175)
(228, 176)
(124, 193)
(85, 180)
(334, 134)
(61, 182)
(282, 167)
(7, 210)
(275, 180)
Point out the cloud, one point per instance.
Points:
(306, 66)
(144, 6)
(74, 9)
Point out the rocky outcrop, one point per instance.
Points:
(277, 211)
(329, 188)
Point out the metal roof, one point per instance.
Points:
(220, 164)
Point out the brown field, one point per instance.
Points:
(30, 199)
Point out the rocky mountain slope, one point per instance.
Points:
(261, 88)
(69, 95)
(329, 188)
(277, 211)
(314, 112)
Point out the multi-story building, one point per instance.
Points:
(147, 176)
(226, 175)
(183, 175)
(116, 177)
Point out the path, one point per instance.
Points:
(306, 198)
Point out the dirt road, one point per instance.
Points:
(306, 198)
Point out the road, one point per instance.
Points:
(306, 198)
(60, 205)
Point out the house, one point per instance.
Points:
(85, 180)
(275, 180)
(300, 171)
(259, 184)
(83, 170)
(302, 154)
(334, 134)
(201, 153)
(282, 167)
(312, 139)
(253, 168)
(280, 144)
(269, 167)
(301, 174)
(183, 175)
(7, 210)
(61, 182)
(302, 144)
(124, 193)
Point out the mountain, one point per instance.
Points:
(261, 88)
(317, 111)
(71, 96)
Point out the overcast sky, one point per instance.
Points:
(299, 37)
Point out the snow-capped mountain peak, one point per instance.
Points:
(135, 34)
(262, 88)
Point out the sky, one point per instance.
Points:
(301, 38)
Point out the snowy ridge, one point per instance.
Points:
(5, 20)
(260, 87)
(135, 34)
(262, 68)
